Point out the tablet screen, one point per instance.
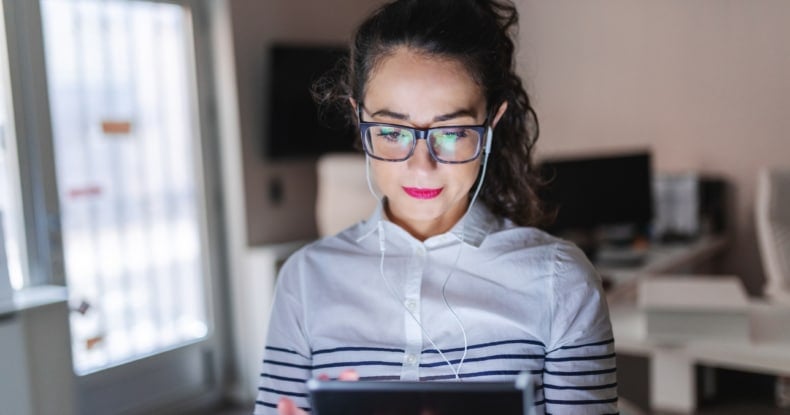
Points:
(419, 398)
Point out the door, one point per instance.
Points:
(133, 184)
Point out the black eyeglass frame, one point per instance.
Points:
(420, 134)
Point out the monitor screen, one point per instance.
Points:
(295, 130)
(590, 192)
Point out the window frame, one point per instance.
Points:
(33, 134)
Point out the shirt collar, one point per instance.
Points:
(473, 227)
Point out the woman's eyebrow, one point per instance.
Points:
(390, 114)
(466, 112)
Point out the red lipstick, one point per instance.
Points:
(420, 193)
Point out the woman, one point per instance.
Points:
(448, 279)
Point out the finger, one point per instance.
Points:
(287, 407)
(323, 376)
(348, 374)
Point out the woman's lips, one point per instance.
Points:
(420, 193)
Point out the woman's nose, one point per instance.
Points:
(422, 156)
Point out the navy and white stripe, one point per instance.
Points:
(527, 301)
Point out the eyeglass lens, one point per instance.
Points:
(453, 144)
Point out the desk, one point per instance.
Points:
(669, 259)
(672, 383)
(672, 375)
(698, 256)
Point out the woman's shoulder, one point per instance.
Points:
(565, 258)
(527, 237)
(322, 255)
(347, 241)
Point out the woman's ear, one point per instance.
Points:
(499, 113)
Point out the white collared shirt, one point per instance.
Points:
(525, 299)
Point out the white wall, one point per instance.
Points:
(256, 24)
(705, 84)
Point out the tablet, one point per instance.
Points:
(332, 397)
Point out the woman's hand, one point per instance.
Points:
(348, 374)
(287, 407)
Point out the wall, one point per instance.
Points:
(255, 226)
(704, 84)
(35, 353)
(256, 24)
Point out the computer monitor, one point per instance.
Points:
(596, 191)
(296, 127)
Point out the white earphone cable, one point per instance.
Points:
(382, 247)
(489, 137)
(367, 177)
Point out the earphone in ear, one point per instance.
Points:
(489, 139)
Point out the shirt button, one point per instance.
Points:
(411, 359)
(421, 252)
(411, 305)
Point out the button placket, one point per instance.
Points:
(411, 359)
(412, 321)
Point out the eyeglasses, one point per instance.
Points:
(393, 142)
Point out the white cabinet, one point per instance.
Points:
(14, 384)
(36, 373)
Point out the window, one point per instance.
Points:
(12, 237)
(126, 146)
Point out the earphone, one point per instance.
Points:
(489, 139)
(484, 168)
(367, 177)
(382, 249)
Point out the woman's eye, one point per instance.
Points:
(445, 138)
(393, 134)
(445, 142)
(450, 135)
(388, 132)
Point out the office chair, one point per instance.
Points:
(772, 212)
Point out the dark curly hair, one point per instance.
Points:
(479, 34)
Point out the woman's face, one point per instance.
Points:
(412, 89)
